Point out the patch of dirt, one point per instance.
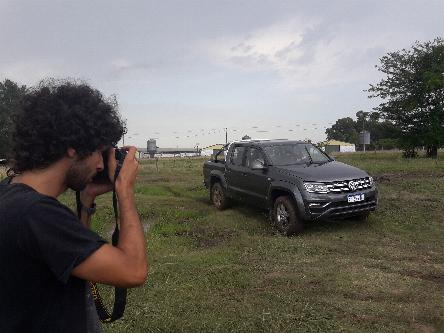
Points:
(388, 177)
(382, 179)
(210, 237)
(423, 328)
(364, 297)
(433, 277)
(412, 196)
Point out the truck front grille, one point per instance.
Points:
(349, 185)
(342, 208)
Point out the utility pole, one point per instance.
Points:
(363, 129)
(226, 135)
(363, 133)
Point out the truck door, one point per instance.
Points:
(235, 172)
(256, 182)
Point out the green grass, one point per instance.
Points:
(2, 172)
(229, 271)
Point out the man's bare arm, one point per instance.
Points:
(126, 264)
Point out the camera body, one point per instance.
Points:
(102, 176)
(120, 154)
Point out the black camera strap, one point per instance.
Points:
(119, 293)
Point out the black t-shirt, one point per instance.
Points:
(41, 241)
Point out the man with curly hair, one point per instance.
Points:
(46, 253)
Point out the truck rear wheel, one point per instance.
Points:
(218, 196)
(285, 216)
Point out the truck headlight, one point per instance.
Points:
(370, 179)
(316, 188)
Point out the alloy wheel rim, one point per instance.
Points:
(217, 197)
(282, 215)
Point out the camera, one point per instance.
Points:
(102, 176)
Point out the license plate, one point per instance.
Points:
(355, 197)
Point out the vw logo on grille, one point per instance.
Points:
(352, 185)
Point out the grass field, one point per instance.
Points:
(229, 271)
(213, 271)
(2, 172)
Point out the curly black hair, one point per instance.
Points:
(57, 115)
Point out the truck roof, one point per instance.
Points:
(266, 142)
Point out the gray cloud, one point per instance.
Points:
(193, 61)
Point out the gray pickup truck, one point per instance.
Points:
(294, 180)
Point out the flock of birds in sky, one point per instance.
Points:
(234, 132)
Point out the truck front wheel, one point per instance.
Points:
(285, 216)
(218, 196)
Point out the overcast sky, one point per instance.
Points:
(183, 71)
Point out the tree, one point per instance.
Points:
(361, 119)
(10, 99)
(387, 143)
(343, 130)
(346, 129)
(413, 95)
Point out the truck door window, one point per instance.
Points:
(237, 155)
(254, 154)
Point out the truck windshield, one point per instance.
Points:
(299, 153)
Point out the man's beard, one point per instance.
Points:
(77, 177)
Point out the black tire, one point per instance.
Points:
(218, 196)
(285, 216)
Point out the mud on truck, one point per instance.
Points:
(294, 180)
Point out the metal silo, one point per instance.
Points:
(151, 147)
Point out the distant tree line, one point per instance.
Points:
(10, 99)
(384, 134)
(411, 114)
